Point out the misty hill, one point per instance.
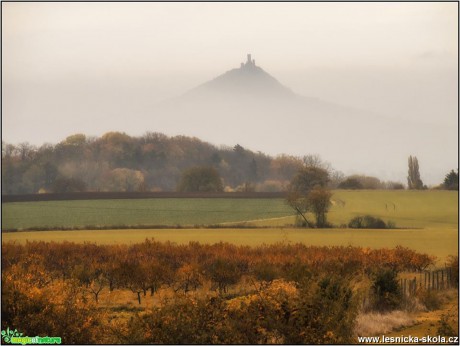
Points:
(246, 105)
(249, 80)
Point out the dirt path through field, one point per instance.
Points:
(428, 323)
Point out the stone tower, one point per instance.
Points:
(250, 62)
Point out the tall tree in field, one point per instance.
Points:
(320, 201)
(413, 178)
(308, 192)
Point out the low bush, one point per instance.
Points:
(350, 184)
(322, 311)
(361, 182)
(265, 271)
(430, 299)
(392, 185)
(369, 221)
(386, 292)
(391, 225)
(448, 325)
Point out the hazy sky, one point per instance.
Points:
(72, 67)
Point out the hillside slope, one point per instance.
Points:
(248, 106)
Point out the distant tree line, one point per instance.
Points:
(152, 162)
(414, 182)
(156, 162)
(363, 182)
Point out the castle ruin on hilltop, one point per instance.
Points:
(249, 63)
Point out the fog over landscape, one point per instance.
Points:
(362, 85)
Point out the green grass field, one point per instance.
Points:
(135, 212)
(430, 219)
(410, 209)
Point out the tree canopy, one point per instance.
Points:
(200, 179)
(308, 192)
(153, 162)
(308, 178)
(413, 177)
(451, 181)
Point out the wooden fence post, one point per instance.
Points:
(448, 278)
(420, 284)
(442, 278)
(437, 281)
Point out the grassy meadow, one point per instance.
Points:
(137, 212)
(426, 221)
(408, 209)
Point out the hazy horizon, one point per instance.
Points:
(98, 67)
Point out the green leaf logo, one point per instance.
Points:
(8, 334)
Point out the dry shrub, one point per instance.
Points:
(430, 299)
(374, 323)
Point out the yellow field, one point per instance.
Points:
(438, 242)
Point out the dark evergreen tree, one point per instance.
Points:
(451, 181)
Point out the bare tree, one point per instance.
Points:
(96, 285)
(25, 150)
